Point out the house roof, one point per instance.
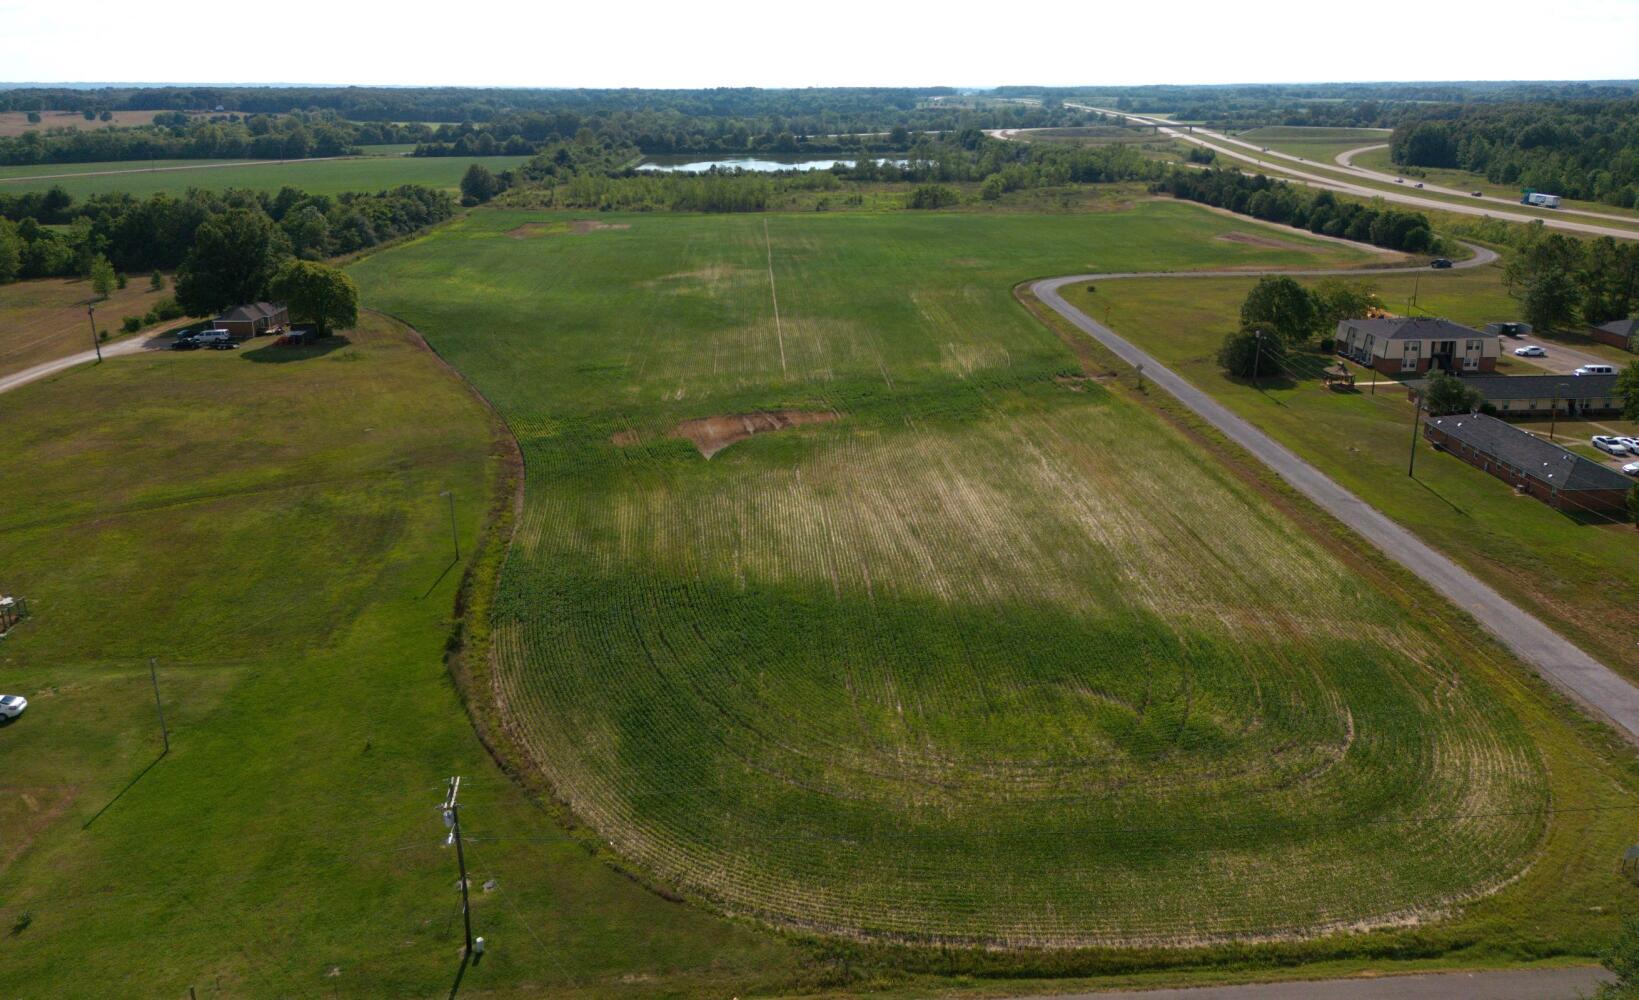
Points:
(1413, 328)
(1495, 387)
(1539, 459)
(1621, 327)
(252, 311)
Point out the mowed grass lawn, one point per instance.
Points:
(273, 534)
(981, 653)
(44, 320)
(1320, 145)
(361, 173)
(1583, 579)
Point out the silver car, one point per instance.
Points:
(12, 705)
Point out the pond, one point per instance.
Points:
(684, 163)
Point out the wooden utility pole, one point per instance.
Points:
(1416, 418)
(96, 345)
(164, 733)
(452, 817)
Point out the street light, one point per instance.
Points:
(96, 345)
(455, 538)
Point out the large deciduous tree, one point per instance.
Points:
(478, 185)
(1246, 354)
(1280, 306)
(317, 293)
(1447, 394)
(234, 256)
(1627, 387)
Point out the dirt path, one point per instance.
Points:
(129, 345)
(1600, 690)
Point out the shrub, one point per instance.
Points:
(931, 196)
(131, 324)
(120, 280)
(1245, 355)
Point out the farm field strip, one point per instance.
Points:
(316, 176)
(991, 657)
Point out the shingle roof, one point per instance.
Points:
(1539, 459)
(251, 311)
(1414, 328)
(1622, 327)
(1494, 387)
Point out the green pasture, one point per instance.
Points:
(982, 652)
(142, 178)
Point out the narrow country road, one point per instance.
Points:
(1595, 686)
(1223, 146)
(130, 345)
(1503, 984)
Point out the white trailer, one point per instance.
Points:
(1540, 200)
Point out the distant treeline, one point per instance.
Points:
(1317, 211)
(1579, 149)
(157, 232)
(175, 136)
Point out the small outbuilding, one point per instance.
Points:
(1559, 478)
(1414, 345)
(1623, 333)
(1540, 395)
(254, 319)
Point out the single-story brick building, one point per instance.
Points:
(1623, 333)
(254, 319)
(1538, 395)
(1413, 344)
(1559, 478)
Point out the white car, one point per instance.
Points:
(210, 337)
(12, 705)
(1532, 351)
(1609, 445)
(1632, 468)
(1595, 370)
(1631, 444)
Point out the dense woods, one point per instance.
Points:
(1578, 149)
(1319, 212)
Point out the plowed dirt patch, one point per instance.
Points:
(1255, 240)
(579, 227)
(712, 434)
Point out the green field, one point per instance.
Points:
(1582, 579)
(273, 533)
(1319, 145)
(977, 651)
(364, 173)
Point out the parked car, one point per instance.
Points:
(1609, 445)
(1531, 351)
(222, 345)
(1595, 370)
(12, 705)
(1631, 444)
(1632, 468)
(208, 337)
(185, 344)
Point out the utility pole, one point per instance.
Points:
(455, 537)
(96, 345)
(1257, 354)
(1553, 411)
(1416, 418)
(164, 733)
(452, 819)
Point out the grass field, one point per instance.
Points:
(274, 534)
(1582, 579)
(974, 651)
(17, 123)
(362, 173)
(1319, 145)
(44, 320)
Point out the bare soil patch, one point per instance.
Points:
(579, 227)
(712, 434)
(1255, 240)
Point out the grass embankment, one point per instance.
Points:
(1320, 145)
(1378, 159)
(1582, 579)
(44, 320)
(274, 534)
(318, 176)
(991, 654)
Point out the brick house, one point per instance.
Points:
(1538, 395)
(1623, 333)
(1397, 345)
(254, 319)
(1559, 478)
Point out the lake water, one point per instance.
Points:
(767, 163)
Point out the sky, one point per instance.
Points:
(731, 43)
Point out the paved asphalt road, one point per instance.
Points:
(1594, 685)
(130, 345)
(1224, 146)
(1512, 984)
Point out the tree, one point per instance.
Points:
(1280, 306)
(233, 257)
(1337, 300)
(1551, 299)
(11, 251)
(478, 185)
(34, 117)
(319, 294)
(1627, 387)
(1447, 394)
(102, 276)
(1245, 354)
(156, 282)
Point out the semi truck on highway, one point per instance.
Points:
(1539, 199)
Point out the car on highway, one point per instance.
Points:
(1595, 370)
(12, 705)
(1609, 445)
(1419, 183)
(1632, 468)
(1440, 263)
(1531, 351)
(1477, 194)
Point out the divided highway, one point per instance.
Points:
(1595, 686)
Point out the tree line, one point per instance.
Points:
(184, 137)
(1586, 149)
(48, 235)
(1319, 212)
(1562, 282)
